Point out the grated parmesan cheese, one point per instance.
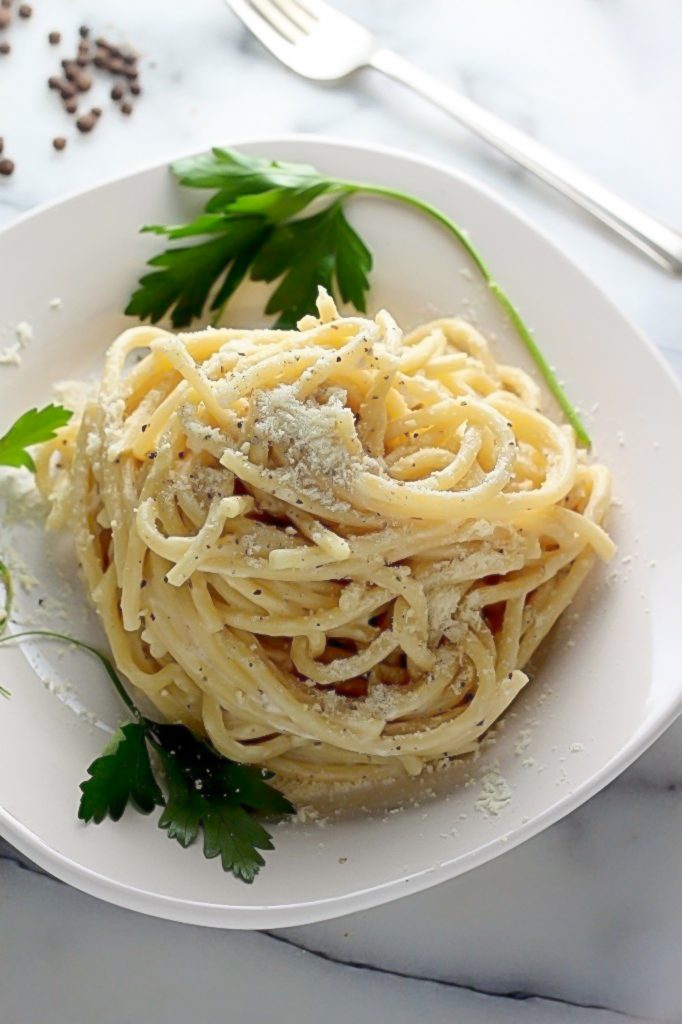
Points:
(24, 333)
(9, 356)
(523, 741)
(309, 437)
(494, 794)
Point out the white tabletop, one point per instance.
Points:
(583, 923)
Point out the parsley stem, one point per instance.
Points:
(102, 658)
(500, 295)
(6, 581)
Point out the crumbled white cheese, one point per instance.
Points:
(523, 741)
(494, 794)
(55, 303)
(24, 332)
(9, 356)
(73, 394)
(305, 814)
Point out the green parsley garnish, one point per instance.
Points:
(34, 427)
(204, 791)
(248, 231)
(122, 774)
(252, 227)
(219, 796)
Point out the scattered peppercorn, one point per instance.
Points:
(119, 61)
(4, 48)
(25, 11)
(82, 81)
(86, 123)
(70, 69)
(6, 167)
(67, 91)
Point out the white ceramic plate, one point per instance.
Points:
(609, 685)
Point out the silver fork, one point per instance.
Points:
(318, 42)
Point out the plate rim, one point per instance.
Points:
(249, 917)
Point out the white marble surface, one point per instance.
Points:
(584, 923)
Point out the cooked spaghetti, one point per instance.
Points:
(331, 550)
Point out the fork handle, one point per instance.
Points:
(657, 240)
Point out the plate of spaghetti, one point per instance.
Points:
(338, 561)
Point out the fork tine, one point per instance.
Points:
(298, 14)
(262, 29)
(315, 8)
(272, 12)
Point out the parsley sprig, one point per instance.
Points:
(248, 231)
(204, 792)
(252, 227)
(34, 427)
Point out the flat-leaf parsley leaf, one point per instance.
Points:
(208, 792)
(331, 254)
(34, 427)
(122, 774)
(184, 276)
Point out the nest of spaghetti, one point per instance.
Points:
(331, 550)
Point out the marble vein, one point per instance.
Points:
(515, 996)
(23, 863)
